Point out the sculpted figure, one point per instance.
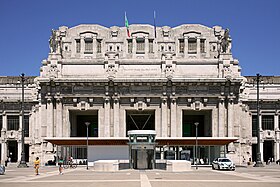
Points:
(225, 41)
(54, 41)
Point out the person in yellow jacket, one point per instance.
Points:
(37, 165)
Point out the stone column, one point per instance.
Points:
(221, 118)
(49, 118)
(19, 150)
(230, 118)
(164, 117)
(106, 132)
(186, 47)
(146, 47)
(94, 47)
(277, 150)
(173, 117)
(134, 47)
(4, 155)
(4, 121)
(198, 47)
(82, 41)
(276, 122)
(207, 48)
(261, 150)
(116, 120)
(59, 118)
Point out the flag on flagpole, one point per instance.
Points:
(155, 28)
(126, 24)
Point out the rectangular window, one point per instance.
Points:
(140, 46)
(129, 42)
(254, 126)
(26, 126)
(78, 46)
(268, 122)
(99, 46)
(202, 45)
(192, 46)
(88, 46)
(181, 45)
(151, 46)
(13, 122)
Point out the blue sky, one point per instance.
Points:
(25, 26)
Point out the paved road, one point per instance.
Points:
(250, 177)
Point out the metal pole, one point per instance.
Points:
(22, 163)
(259, 161)
(87, 124)
(196, 124)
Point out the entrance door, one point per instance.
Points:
(13, 150)
(268, 152)
(142, 159)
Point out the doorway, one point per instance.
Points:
(268, 150)
(13, 150)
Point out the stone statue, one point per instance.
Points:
(54, 42)
(225, 42)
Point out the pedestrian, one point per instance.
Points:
(37, 165)
(60, 169)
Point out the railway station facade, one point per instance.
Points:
(158, 79)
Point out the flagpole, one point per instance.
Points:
(155, 28)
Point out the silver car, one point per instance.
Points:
(223, 163)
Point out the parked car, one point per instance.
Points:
(223, 163)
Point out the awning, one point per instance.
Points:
(176, 141)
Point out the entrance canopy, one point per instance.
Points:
(176, 141)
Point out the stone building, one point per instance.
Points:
(164, 80)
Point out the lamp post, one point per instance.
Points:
(259, 161)
(87, 124)
(196, 125)
(22, 163)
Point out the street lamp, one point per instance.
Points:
(195, 158)
(22, 163)
(259, 161)
(87, 124)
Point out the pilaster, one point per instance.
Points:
(164, 117)
(173, 117)
(106, 118)
(221, 115)
(146, 47)
(230, 118)
(186, 47)
(116, 121)
(198, 48)
(134, 47)
(82, 40)
(49, 118)
(59, 118)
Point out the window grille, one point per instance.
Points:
(26, 126)
(151, 46)
(181, 46)
(129, 46)
(254, 126)
(268, 122)
(78, 46)
(202, 45)
(88, 46)
(192, 46)
(13, 122)
(140, 46)
(98, 46)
